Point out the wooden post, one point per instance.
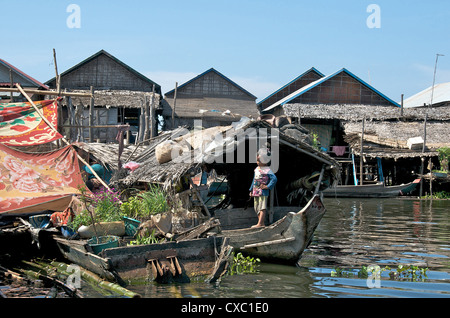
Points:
(141, 125)
(361, 168)
(71, 116)
(174, 105)
(57, 78)
(423, 150)
(147, 117)
(91, 116)
(12, 85)
(401, 111)
(316, 191)
(152, 114)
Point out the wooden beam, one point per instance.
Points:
(93, 126)
(39, 92)
(174, 104)
(361, 168)
(91, 116)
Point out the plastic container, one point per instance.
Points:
(68, 232)
(103, 229)
(41, 221)
(100, 243)
(131, 226)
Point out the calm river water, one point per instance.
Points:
(353, 233)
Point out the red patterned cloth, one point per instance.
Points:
(38, 182)
(21, 125)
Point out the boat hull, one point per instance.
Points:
(164, 263)
(281, 242)
(378, 190)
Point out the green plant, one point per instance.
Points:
(132, 208)
(145, 240)
(154, 201)
(243, 264)
(315, 140)
(103, 206)
(438, 195)
(146, 204)
(444, 157)
(107, 206)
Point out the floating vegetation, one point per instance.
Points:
(243, 265)
(401, 272)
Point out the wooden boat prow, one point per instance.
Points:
(283, 241)
(181, 262)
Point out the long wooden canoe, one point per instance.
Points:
(378, 190)
(205, 258)
(283, 241)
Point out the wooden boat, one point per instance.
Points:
(283, 241)
(164, 262)
(378, 190)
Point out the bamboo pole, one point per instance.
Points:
(64, 139)
(96, 280)
(91, 116)
(57, 78)
(174, 104)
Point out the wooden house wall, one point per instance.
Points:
(102, 116)
(211, 85)
(289, 89)
(103, 73)
(341, 89)
(213, 95)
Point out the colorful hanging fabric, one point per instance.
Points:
(21, 125)
(38, 182)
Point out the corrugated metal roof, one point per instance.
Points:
(310, 86)
(312, 69)
(20, 73)
(441, 95)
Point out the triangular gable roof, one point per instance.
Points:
(103, 52)
(441, 95)
(216, 72)
(312, 69)
(27, 78)
(310, 86)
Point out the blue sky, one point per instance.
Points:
(259, 44)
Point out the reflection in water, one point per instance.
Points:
(352, 234)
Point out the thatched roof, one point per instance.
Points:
(357, 112)
(149, 171)
(170, 172)
(387, 130)
(389, 139)
(114, 98)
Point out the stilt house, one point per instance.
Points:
(121, 96)
(210, 97)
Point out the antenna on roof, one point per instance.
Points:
(434, 78)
